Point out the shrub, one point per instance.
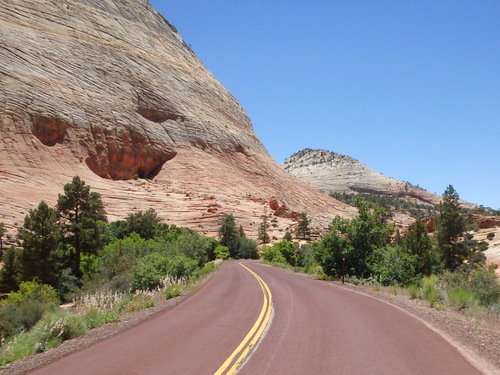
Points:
(484, 284)
(461, 299)
(153, 268)
(18, 317)
(490, 236)
(221, 252)
(33, 291)
(272, 254)
(430, 291)
(95, 318)
(16, 348)
(54, 328)
(247, 249)
(173, 291)
(413, 290)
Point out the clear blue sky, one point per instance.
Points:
(409, 88)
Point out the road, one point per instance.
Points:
(315, 328)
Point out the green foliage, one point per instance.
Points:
(82, 216)
(95, 318)
(394, 265)
(306, 258)
(2, 234)
(303, 230)
(430, 290)
(146, 224)
(151, 269)
(490, 236)
(288, 236)
(238, 245)
(173, 291)
(272, 254)
(484, 284)
(413, 290)
(418, 243)
(355, 240)
(33, 291)
(54, 328)
(450, 226)
(221, 252)
(40, 238)
(194, 246)
(263, 236)
(16, 348)
(20, 317)
(287, 249)
(247, 249)
(228, 234)
(392, 203)
(462, 299)
(9, 273)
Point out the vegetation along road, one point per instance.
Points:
(305, 326)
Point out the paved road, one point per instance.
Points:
(316, 328)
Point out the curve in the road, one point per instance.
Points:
(249, 343)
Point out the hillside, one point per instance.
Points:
(109, 91)
(334, 173)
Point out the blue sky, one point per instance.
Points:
(409, 88)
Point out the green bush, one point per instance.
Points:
(33, 291)
(173, 291)
(484, 284)
(16, 348)
(54, 328)
(490, 236)
(221, 252)
(462, 299)
(430, 291)
(153, 268)
(272, 254)
(413, 290)
(95, 318)
(18, 317)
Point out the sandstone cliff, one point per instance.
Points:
(108, 90)
(332, 172)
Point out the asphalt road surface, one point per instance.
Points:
(312, 328)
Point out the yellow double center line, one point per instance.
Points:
(242, 352)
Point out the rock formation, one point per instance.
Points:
(334, 173)
(108, 90)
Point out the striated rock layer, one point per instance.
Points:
(334, 173)
(108, 90)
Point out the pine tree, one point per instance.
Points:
(450, 226)
(263, 236)
(303, 231)
(2, 233)
(39, 236)
(9, 273)
(228, 234)
(81, 216)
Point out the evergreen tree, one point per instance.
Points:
(2, 233)
(39, 236)
(303, 231)
(228, 234)
(9, 273)
(81, 217)
(418, 242)
(146, 224)
(263, 236)
(288, 236)
(450, 226)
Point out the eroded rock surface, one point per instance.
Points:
(108, 90)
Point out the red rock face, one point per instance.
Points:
(107, 90)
